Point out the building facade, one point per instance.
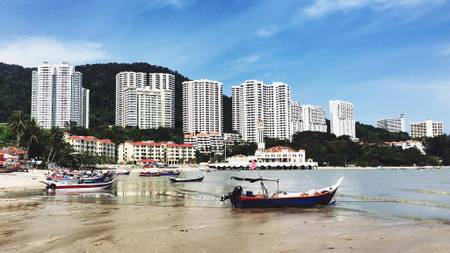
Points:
(342, 118)
(206, 142)
(394, 125)
(313, 118)
(427, 128)
(202, 106)
(408, 145)
(145, 100)
(253, 101)
(162, 152)
(58, 97)
(296, 117)
(92, 145)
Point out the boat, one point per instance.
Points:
(80, 186)
(8, 170)
(8, 163)
(149, 174)
(185, 180)
(309, 198)
(161, 172)
(123, 172)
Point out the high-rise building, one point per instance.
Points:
(202, 106)
(145, 101)
(57, 96)
(313, 118)
(394, 125)
(342, 118)
(296, 117)
(427, 128)
(253, 101)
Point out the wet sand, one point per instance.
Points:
(58, 226)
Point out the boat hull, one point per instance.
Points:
(8, 170)
(86, 187)
(274, 202)
(185, 180)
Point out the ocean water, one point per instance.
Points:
(400, 194)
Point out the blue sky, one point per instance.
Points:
(386, 57)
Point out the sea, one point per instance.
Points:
(394, 193)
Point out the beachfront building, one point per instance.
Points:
(342, 118)
(57, 96)
(202, 106)
(206, 142)
(254, 101)
(91, 145)
(393, 125)
(313, 118)
(161, 152)
(408, 145)
(273, 158)
(145, 100)
(427, 128)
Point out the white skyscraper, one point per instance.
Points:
(427, 128)
(57, 96)
(313, 118)
(296, 117)
(253, 101)
(342, 118)
(145, 101)
(202, 106)
(394, 125)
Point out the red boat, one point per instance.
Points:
(280, 199)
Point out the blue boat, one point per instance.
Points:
(280, 199)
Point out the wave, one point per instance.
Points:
(394, 200)
(428, 191)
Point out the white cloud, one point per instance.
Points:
(266, 32)
(324, 7)
(245, 61)
(32, 51)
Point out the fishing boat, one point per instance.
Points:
(310, 198)
(123, 172)
(80, 186)
(161, 172)
(185, 180)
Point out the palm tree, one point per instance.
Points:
(32, 132)
(17, 123)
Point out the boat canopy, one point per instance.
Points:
(252, 180)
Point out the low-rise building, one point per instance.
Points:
(206, 142)
(161, 152)
(393, 125)
(92, 145)
(232, 138)
(427, 128)
(408, 144)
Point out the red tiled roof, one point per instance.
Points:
(183, 145)
(90, 138)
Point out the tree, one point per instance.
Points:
(17, 123)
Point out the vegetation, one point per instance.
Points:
(327, 149)
(15, 91)
(371, 134)
(44, 145)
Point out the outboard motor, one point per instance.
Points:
(233, 196)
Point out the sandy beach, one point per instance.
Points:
(21, 181)
(132, 228)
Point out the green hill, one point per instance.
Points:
(15, 90)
